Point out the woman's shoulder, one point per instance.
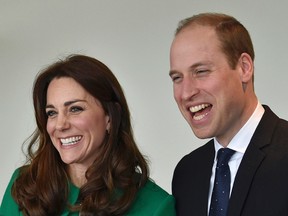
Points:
(153, 189)
(9, 206)
(14, 176)
(153, 200)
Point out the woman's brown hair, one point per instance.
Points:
(114, 178)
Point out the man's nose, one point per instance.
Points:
(189, 88)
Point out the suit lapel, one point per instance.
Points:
(251, 161)
(204, 176)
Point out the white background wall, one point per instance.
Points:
(132, 37)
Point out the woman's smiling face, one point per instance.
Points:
(76, 123)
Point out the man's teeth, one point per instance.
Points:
(198, 108)
(199, 117)
(70, 140)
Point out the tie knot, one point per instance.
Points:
(224, 155)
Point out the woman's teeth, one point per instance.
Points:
(70, 140)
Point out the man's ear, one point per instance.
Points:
(247, 67)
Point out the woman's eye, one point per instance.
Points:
(76, 109)
(50, 113)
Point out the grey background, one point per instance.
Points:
(133, 38)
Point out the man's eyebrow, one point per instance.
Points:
(198, 64)
(191, 68)
(171, 72)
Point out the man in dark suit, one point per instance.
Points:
(212, 69)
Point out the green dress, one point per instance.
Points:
(151, 200)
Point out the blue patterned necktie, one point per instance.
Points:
(221, 189)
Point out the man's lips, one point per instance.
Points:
(200, 111)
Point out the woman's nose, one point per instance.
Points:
(62, 122)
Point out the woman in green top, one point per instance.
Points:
(82, 158)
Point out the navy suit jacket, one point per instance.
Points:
(261, 183)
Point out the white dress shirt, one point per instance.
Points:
(239, 144)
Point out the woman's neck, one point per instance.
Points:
(77, 174)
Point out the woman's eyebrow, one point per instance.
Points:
(68, 103)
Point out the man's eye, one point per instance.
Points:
(50, 113)
(76, 109)
(175, 78)
(201, 71)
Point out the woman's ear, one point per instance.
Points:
(247, 68)
(108, 124)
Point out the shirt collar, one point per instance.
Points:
(241, 140)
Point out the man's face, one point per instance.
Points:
(208, 92)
